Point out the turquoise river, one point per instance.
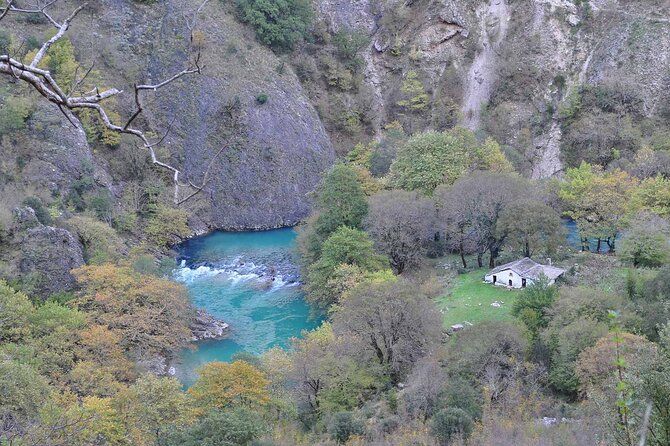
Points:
(249, 280)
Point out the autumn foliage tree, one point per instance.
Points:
(150, 314)
(224, 385)
(598, 201)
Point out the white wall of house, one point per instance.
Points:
(502, 278)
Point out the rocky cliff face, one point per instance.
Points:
(248, 105)
(48, 255)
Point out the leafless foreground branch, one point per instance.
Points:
(42, 81)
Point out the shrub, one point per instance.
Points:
(167, 225)
(101, 204)
(5, 42)
(348, 44)
(262, 98)
(101, 244)
(343, 425)
(14, 112)
(278, 23)
(41, 212)
(450, 422)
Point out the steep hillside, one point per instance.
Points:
(274, 149)
(553, 81)
(512, 70)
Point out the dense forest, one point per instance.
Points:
(416, 146)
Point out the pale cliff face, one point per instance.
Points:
(509, 65)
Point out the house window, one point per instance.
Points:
(523, 283)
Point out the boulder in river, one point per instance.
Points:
(206, 326)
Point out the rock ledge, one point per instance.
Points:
(206, 326)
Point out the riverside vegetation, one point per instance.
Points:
(349, 117)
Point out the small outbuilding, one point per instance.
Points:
(521, 273)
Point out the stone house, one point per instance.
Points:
(521, 273)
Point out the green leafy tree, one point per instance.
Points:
(430, 159)
(278, 23)
(489, 156)
(232, 427)
(416, 99)
(598, 201)
(533, 305)
(340, 201)
(450, 423)
(152, 407)
(645, 243)
(167, 225)
(346, 246)
(531, 226)
(653, 195)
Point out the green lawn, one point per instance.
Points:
(470, 300)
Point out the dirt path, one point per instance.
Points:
(494, 21)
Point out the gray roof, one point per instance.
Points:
(529, 269)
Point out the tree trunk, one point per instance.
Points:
(480, 261)
(526, 250)
(460, 250)
(611, 243)
(598, 246)
(492, 260)
(585, 244)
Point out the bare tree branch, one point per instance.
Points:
(7, 9)
(39, 10)
(205, 179)
(61, 32)
(44, 83)
(193, 23)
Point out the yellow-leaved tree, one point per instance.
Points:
(226, 385)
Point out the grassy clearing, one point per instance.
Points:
(470, 300)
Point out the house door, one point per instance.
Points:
(523, 283)
(510, 282)
(495, 279)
